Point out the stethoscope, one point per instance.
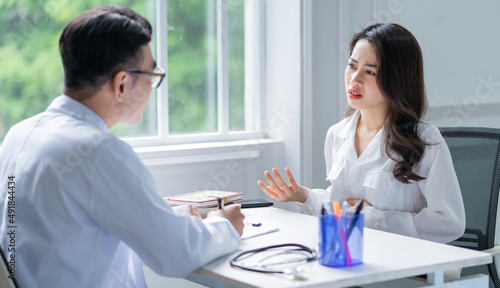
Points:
(297, 273)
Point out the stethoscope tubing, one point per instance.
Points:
(234, 261)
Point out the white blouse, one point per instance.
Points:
(430, 209)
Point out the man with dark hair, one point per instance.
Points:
(78, 208)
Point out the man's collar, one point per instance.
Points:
(76, 109)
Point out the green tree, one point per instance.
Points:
(192, 65)
(31, 73)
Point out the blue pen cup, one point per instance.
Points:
(341, 246)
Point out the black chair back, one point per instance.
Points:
(476, 158)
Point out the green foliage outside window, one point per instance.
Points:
(31, 73)
(192, 68)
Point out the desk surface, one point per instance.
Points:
(386, 256)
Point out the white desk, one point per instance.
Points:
(386, 257)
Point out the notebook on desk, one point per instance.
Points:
(205, 198)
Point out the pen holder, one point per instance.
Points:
(341, 240)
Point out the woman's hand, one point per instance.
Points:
(354, 202)
(281, 191)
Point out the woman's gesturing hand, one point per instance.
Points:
(280, 190)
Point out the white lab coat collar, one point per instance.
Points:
(67, 105)
(374, 150)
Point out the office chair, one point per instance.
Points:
(476, 158)
(5, 281)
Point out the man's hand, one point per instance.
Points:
(233, 214)
(192, 210)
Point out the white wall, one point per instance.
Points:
(283, 89)
(327, 81)
(460, 41)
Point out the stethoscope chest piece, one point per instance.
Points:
(296, 273)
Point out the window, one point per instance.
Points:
(208, 48)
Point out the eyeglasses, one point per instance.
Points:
(156, 76)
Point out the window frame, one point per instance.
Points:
(254, 79)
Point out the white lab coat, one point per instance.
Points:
(429, 209)
(87, 211)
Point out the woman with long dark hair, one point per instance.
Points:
(382, 154)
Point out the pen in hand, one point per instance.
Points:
(231, 213)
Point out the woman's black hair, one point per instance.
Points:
(400, 78)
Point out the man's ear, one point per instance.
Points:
(120, 85)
